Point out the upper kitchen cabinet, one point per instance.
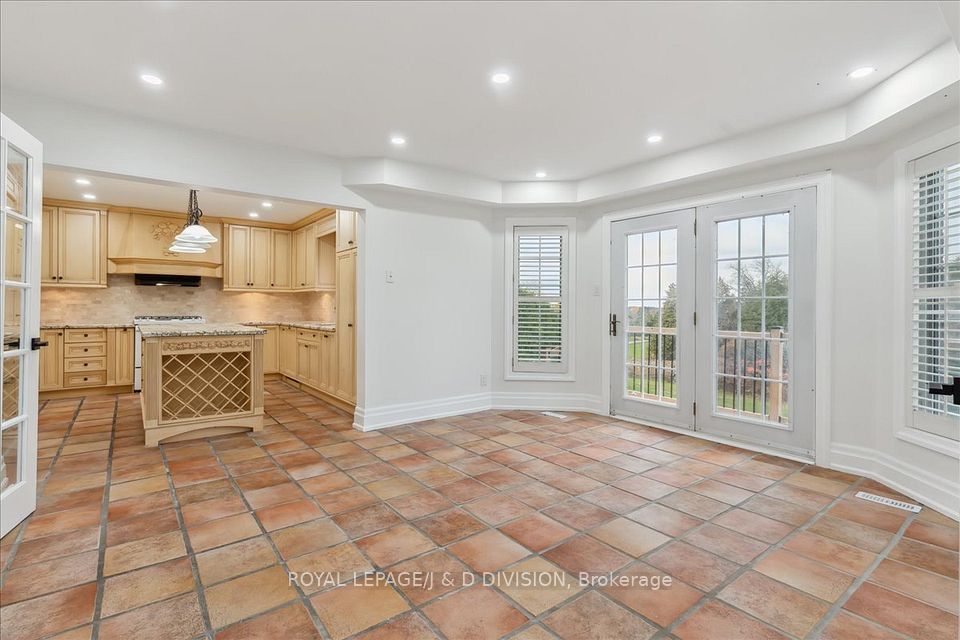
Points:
(256, 259)
(139, 242)
(314, 257)
(74, 247)
(346, 230)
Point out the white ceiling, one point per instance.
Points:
(61, 184)
(590, 79)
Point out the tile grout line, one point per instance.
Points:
(104, 524)
(862, 578)
(194, 569)
(15, 546)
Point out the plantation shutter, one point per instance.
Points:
(539, 313)
(935, 322)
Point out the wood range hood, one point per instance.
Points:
(138, 242)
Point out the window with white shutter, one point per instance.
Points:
(935, 316)
(540, 300)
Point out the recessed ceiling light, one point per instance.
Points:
(253, 214)
(500, 78)
(541, 174)
(266, 204)
(398, 141)
(862, 72)
(89, 196)
(654, 138)
(82, 181)
(151, 79)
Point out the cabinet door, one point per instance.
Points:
(49, 248)
(310, 257)
(299, 259)
(325, 347)
(260, 258)
(346, 330)
(51, 360)
(327, 262)
(314, 365)
(282, 260)
(237, 258)
(271, 361)
(303, 361)
(288, 352)
(123, 354)
(79, 247)
(346, 230)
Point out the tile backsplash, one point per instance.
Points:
(122, 300)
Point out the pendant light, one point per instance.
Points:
(195, 238)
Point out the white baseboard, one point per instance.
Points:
(548, 402)
(931, 490)
(397, 414)
(405, 413)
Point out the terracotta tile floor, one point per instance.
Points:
(196, 539)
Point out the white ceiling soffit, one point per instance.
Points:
(930, 84)
(61, 184)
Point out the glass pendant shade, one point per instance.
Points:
(196, 233)
(177, 247)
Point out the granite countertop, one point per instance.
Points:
(200, 329)
(85, 325)
(298, 324)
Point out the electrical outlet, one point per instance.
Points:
(388, 276)
(483, 379)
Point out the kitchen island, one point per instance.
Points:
(201, 380)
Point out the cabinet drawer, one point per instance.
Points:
(85, 335)
(308, 335)
(92, 379)
(85, 350)
(74, 365)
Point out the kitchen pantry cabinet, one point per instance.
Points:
(346, 326)
(256, 258)
(346, 230)
(73, 252)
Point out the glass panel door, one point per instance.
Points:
(756, 261)
(652, 268)
(20, 155)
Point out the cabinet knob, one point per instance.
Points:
(85, 336)
(86, 364)
(349, 241)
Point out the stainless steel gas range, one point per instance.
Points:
(138, 339)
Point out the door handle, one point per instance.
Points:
(952, 389)
(613, 324)
(36, 343)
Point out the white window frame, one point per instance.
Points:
(564, 370)
(930, 431)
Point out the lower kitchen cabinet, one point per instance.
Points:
(51, 360)
(120, 342)
(287, 351)
(271, 353)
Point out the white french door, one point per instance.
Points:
(653, 280)
(20, 219)
(722, 340)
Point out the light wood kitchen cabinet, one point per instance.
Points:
(327, 262)
(271, 353)
(281, 259)
(121, 341)
(328, 362)
(346, 230)
(73, 251)
(51, 360)
(346, 325)
(308, 363)
(287, 351)
(305, 258)
(256, 259)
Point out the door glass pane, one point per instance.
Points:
(751, 325)
(9, 462)
(12, 318)
(651, 326)
(16, 180)
(13, 250)
(10, 406)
